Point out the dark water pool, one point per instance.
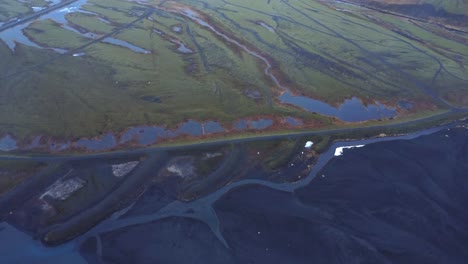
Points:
(106, 142)
(352, 110)
(191, 127)
(144, 135)
(261, 123)
(293, 121)
(7, 143)
(240, 125)
(213, 127)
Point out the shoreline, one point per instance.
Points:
(411, 125)
(199, 206)
(202, 209)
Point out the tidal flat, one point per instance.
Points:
(392, 195)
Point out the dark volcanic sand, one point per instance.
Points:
(171, 240)
(389, 202)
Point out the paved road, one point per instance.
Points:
(51, 157)
(190, 145)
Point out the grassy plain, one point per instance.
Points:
(451, 6)
(318, 50)
(10, 9)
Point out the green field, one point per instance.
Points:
(10, 9)
(327, 52)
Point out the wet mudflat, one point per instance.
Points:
(7, 143)
(389, 202)
(395, 202)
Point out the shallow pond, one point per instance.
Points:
(352, 110)
(144, 135)
(212, 127)
(7, 143)
(261, 123)
(125, 44)
(191, 128)
(106, 142)
(240, 125)
(15, 35)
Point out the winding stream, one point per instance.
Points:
(194, 16)
(351, 110)
(24, 249)
(201, 209)
(15, 34)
